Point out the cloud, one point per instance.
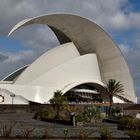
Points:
(21, 57)
(38, 37)
(110, 14)
(16, 60)
(124, 48)
(115, 16)
(3, 57)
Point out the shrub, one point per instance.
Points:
(6, 130)
(83, 134)
(135, 134)
(116, 111)
(64, 116)
(92, 112)
(105, 133)
(136, 124)
(46, 134)
(126, 122)
(66, 131)
(129, 123)
(81, 117)
(26, 133)
(43, 114)
(89, 113)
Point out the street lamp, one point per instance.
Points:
(12, 95)
(72, 114)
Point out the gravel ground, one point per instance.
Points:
(22, 121)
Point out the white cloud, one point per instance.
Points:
(15, 61)
(119, 21)
(3, 57)
(20, 56)
(124, 48)
(109, 13)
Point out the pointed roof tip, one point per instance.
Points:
(19, 25)
(10, 33)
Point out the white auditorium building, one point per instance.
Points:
(86, 58)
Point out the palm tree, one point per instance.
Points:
(58, 101)
(114, 88)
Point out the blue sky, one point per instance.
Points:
(135, 5)
(120, 18)
(8, 44)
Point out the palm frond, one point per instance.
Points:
(58, 99)
(113, 87)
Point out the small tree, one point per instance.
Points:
(113, 88)
(92, 112)
(58, 101)
(116, 111)
(105, 132)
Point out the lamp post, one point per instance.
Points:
(73, 118)
(12, 95)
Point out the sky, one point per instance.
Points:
(119, 18)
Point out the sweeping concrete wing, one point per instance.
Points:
(88, 37)
(84, 67)
(47, 62)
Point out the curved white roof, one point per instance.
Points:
(47, 62)
(79, 68)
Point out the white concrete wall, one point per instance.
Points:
(35, 93)
(55, 70)
(31, 93)
(117, 100)
(83, 68)
(48, 61)
(8, 99)
(80, 68)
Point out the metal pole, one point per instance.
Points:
(12, 96)
(12, 102)
(74, 120)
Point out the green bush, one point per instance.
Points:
(92, 112)
(116, 111)
(83, 134)
(105, 133)
(88, 114)
(66, 131)
(81, 117)
(136, 124)
(42, 114)
(129, 123)
(135, 134)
